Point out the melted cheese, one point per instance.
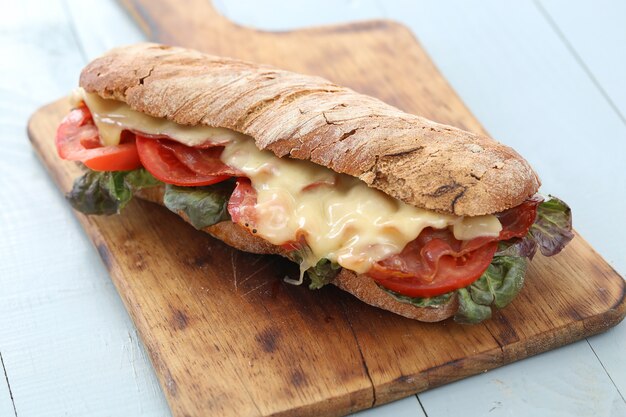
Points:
(112, 116)
(341, 218)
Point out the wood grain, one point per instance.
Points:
(227, 337)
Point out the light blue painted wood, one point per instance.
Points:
(98, 32)
(406, 407)
(523, 84)
(277, 15)
(596, 31)
(543, 387)
(610, 348)
(67, 342)
(6, 405)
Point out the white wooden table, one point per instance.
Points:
(546, 77)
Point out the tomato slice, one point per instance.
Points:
(242, 202)
(436, 263)
(77, 140)
(159, 157)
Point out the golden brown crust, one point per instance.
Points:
(361, 286)
(418, 161)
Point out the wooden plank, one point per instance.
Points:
(453, 353)
(596, 34)
(68, 345)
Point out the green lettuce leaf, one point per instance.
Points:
(322, 273)
(504, 277)
(104, 192)
(140, 178)
(497, 286)
(501, 282)
(204, 206)
(552, 229)
(469, 311)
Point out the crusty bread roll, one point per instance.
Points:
(410, 158)
(420, 162)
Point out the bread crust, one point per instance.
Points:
(361, 286)
(420, 162)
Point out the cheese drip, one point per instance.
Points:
(341, 218)
(113, 116)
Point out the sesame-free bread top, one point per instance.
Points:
(420, 162)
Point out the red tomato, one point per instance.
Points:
(436, 263)
(160, 157)
(77, 140)
(241, 204)
(433, 264)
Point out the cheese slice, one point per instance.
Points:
(341, 218)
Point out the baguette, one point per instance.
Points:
(423, 163)
(436, 170)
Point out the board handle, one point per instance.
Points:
(197, 24)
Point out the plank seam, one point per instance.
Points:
(579, 59)
(74, 31)
(6, 378)
(605, 370)
(421, 405)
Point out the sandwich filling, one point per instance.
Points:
(339, 217)
(322, 219)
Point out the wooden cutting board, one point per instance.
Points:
(227, 337)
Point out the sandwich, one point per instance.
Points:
(422, 219)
